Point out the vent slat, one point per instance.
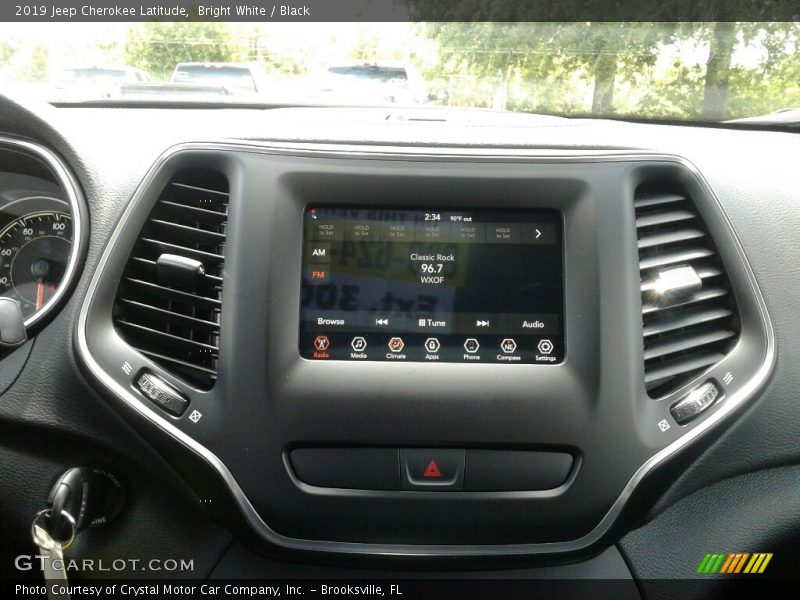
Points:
(674, 257)
(208, 237)
(199, 189)
(670, 237)
(187, 212)
(701, 296)
(646, 200)
(661, 325)
(163, 337)
(178, 327)
(172, 294)
(168, 316)
(663, 218)
(668, 370)
(683, 333)
(679, 343)
(177, 362)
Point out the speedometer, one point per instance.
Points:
(34, 253)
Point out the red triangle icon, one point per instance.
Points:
(432, 470)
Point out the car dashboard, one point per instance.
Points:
(407, 340)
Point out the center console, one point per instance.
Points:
(425, 352)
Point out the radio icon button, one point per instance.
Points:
(321, 343)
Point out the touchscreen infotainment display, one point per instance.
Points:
(430, 285)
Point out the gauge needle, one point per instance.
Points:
(40, 294)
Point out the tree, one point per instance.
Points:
(550, 53)
(157, 47)
(605, 52)
(7, 52)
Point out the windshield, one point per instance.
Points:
(687, 71)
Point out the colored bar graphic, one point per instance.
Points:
(701, 568)
(766, 562)
(734, 563)
(740, 562)
(726, 568)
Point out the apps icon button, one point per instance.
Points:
(432, 345)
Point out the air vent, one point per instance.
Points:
(169, 300)
(688, 310)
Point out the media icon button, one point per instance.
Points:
(359, 344)
(471, 345)
(432, 345)
(396, 344)
(508, 346)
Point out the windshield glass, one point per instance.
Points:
(688, 71)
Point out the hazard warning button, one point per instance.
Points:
(432, 469)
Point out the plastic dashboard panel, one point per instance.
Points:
(268, 399)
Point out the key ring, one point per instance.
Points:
(41, 535)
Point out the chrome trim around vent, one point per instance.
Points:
(76, 204)
(732, 402)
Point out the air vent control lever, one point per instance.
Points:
(180, 272)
